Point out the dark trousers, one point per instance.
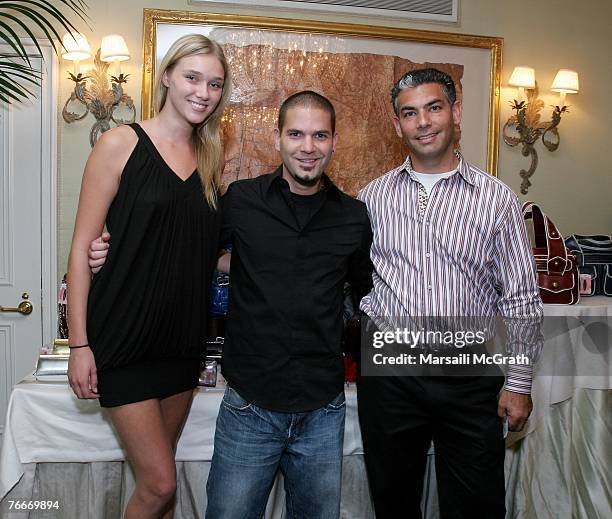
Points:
(400, 416)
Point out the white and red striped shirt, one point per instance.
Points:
(461, 251)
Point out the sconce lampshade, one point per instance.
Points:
(566, 81)
(522, 77)
(76, 47)
(113, 48)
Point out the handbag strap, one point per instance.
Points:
(533, 212)
(547, 236)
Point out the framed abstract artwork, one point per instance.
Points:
(354, 66)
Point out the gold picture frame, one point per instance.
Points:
(478, 57)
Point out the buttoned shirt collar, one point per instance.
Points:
(463, 169)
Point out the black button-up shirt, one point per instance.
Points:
(282, 348)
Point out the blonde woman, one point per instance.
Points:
(136, 328)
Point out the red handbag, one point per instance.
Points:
(557, 268)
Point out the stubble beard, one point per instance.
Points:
(307, 181)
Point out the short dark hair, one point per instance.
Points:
(422, 76)
(307, 99)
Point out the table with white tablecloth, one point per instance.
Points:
(558, 467)
(61, 448)
(57, 447)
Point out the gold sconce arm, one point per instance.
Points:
(525, 128)
(106, 101)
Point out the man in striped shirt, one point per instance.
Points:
(449, 243)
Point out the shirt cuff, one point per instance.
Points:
(519, 379)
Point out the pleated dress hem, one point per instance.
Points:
(145, 380)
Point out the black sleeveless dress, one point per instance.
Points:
(146, 313)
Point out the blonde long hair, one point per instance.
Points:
(207, 135)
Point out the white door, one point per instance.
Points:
(26, 147)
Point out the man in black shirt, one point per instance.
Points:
(295, 239)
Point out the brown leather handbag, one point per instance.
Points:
(557, 268)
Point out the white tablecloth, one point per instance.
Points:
(46, 423)
(62, 448)
(577, 353)
(551, 472)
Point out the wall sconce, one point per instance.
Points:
(107, 102)
(526, 125)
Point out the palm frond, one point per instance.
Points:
(12, 77)
(47, 16)
(13, 89)
(12, 39)
(41, 21)
(19, 71)
(26, 29)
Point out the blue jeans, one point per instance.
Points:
(252, 444)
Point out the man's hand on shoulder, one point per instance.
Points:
(98, 250)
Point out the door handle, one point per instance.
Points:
(24, 308)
